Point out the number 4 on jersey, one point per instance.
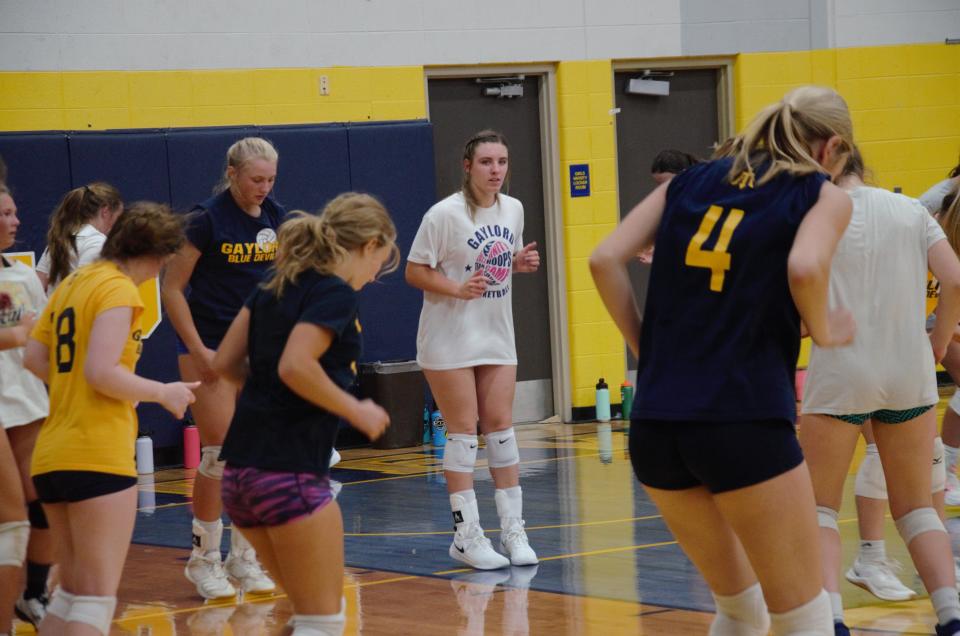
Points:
(717, 260)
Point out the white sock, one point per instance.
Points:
(872, 551)
(318, 624)
(810, 619)
(469, 495)
(743, 614)
(836, 606)
(950, 457)
(208, 540)
(509, 505)
(946, 604)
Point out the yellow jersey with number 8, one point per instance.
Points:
(86, 430)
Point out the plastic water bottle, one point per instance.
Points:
(605, 443)
(626, 399)
(144, 455)
(146, 495)
(439, 428)
(191, 446)
(603, 401)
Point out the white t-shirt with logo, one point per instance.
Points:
(89, 241)
(23, 398)
(454, 333)
(879, 273)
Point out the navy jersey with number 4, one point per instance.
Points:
(721, 334)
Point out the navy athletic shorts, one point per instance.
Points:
(722, 456)
(71, 486)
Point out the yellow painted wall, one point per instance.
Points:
(585, 96)
(74, 100)
(904, 100)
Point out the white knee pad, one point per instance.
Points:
(96, 611)
(502, 448)
(814, 618)
(938, 475)
(954, 403)
(60, 603)
(460, 454)
(827, 518)
(210, 464)
(917, 522)
(870, 481)
(14, 536)
(743, 614)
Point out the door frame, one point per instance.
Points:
(553, 214)
(726, 125)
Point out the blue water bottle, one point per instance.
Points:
(439, 429)
(603, 401)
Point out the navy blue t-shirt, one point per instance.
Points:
(274, 428)
(721, 334)
(235, 252)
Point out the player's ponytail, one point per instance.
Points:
(306, 241)
(783, 134)
(77, 208)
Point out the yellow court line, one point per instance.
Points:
(258, 598)
(527, 528)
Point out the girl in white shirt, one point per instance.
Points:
(463, 258)
(887, 375)
(23, 407)
(78, 228)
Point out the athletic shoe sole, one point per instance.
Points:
(864, 583)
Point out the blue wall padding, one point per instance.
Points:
(394, 162)
(135, 162)
(196, 160)
(39, 175)
(314, 164)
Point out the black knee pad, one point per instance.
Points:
(38, 519)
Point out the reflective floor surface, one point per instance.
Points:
(608, 564)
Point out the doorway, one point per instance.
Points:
(512, 104)
(687, 119)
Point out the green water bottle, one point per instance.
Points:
(626, 399)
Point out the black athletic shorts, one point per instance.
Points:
(71, 486)
(721, 456)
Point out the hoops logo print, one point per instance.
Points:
(495, 260)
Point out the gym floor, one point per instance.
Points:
(608, 565)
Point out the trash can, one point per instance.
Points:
(399, 388)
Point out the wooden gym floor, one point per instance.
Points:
(608, 564)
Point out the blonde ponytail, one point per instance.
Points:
(308, 242)
(783, 134)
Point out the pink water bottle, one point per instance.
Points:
(191, 447)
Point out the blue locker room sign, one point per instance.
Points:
(580, 180)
